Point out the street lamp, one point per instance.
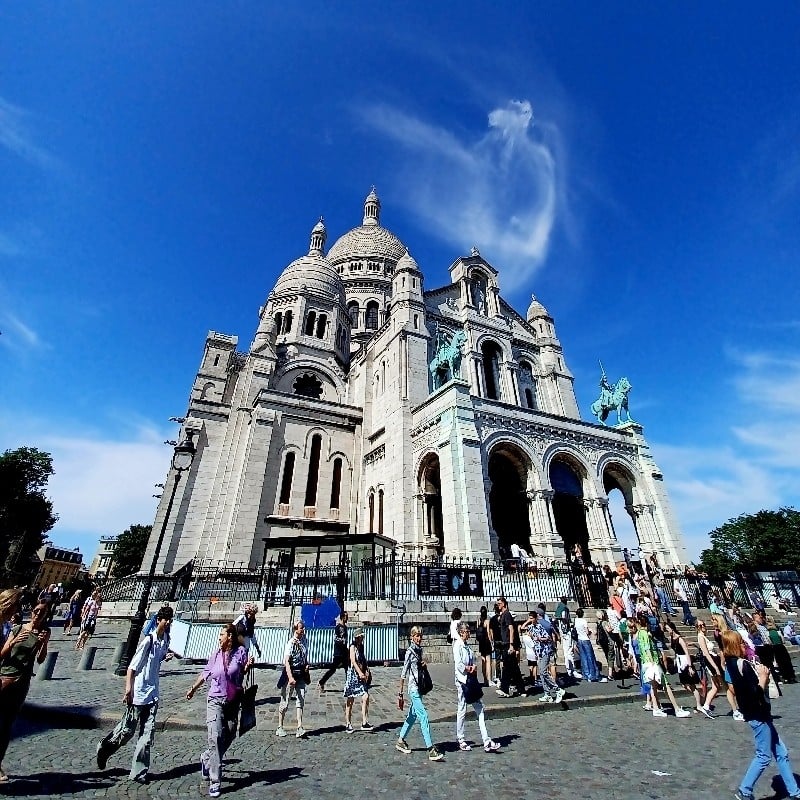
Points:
(181, 461)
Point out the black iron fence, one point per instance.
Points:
(399, 580)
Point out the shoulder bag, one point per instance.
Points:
(424, 680)
(472, 689)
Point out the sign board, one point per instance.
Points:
(449, 582)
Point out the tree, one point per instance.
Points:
(767, 540)
(129, 552)
(26, 515)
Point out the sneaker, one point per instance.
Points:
(367, 727)
(659, 712)
(214, 790)
(102, 756)
(402, 746)
(578, 675)
(603, 680)
(204, 770)
(560, 695)
(140, 779)
(462, 745)
(545, 698)
(682, 713)
(491, 747)
(647, 707)
(496, 682)
(501, 693)
(738, 716)
(348, 728)
(740, 795)
(435, 755)
(280, 731)
(703, 710)
(300, 733)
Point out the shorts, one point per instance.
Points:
(652, 673)
(89, 626)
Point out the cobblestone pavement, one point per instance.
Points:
(615, 751)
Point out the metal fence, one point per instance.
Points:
(397, 580)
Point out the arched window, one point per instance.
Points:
(310, 319)
(322, 323)
(478, 289)
(491, 369)
(287, 321)
(313, 470)
(352, 310)
(336, 485)
(380, 511)
(308, 385)
(371, 511)
(278, 321)
(286, 481)
(371, 322)
(529, 399)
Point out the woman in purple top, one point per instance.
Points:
(223, 673)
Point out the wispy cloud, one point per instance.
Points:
(16, 334)
(759, 467)
(501, 192)
(16, 136)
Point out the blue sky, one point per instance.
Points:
(638, 169)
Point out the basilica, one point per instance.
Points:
(439, 419)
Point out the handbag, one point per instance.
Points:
(773, 689)
(247, 713)
(424, 680)
(472, 689)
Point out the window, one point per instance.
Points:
(216, 360)
(529, 398)
(287, 321)
(278, 321)
(310, 318)
(336, 485)
(491, 369)
(322, 323)
(313, 470)
(416, 321)
(380, 511)
(352, 310)
(371, 511)
(308, 385)
(371, 322)
(286, 482)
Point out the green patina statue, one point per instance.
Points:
(613, 397)
(446, 363)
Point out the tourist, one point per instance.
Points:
(683, 599)
(686, 672)
(790, 633)
(589, 665)
(357, 684)
(10, 602)
(246, 628)
(652, 673)
(51, 597)
(510, 651)
(341, 659)
(74, 612)
(89, 612)
(497, 644)
(294, 679)
(782, 658)
(224, 673)
(416, 708)
(544, 645)
(750, 683)
(452, 634)
(483, 636)
(141, 697)
(714, 669)
(25, 646)
(609, 640)
(468, 688)
(530, 647)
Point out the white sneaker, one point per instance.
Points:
(659, 712)
(578, 675)
(682, 713)
(545, 698)
(603, 680)
(300, 733)
(560, 695)
(280, 732)
(738, 716)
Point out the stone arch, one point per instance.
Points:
(618, 477)
(568, 477)
(491, 361)
(429, 484)
(509, 468)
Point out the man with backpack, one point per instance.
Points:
(141, 699)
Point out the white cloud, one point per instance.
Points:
(16, 334)
(17, 138)
(500, 192)
(101, 485)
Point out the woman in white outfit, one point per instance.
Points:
(464, 667)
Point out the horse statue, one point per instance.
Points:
(613, 397)
(446, 363)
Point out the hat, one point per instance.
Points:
(358, 632)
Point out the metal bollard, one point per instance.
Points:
(87, 658)
(45, 671)
(116, 656)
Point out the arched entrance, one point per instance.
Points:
(566, 478)
(508, 501)
(618, 485)
(430, 486)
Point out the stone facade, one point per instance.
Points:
(442, 419)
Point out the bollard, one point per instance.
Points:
(45, 671)
(87, 658)
(116, 656)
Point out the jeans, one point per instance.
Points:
(688, 618)
(462, 713)
(143, 718)
(588, 662)
(416, 712)
(549, 686)
(663, 600)
(769, 745)
(221, 720)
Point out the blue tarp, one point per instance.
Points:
(322, 615)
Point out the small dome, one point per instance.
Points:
(407, 262)
(368, 240)
(312, 273)
(536, 309)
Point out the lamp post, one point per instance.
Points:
(181, 461)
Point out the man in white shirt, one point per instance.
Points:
(683, 599)
(589, 665)
(141, 698)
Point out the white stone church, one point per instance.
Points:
(438, 418)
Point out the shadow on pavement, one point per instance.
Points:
(268, 776)
(61, 783)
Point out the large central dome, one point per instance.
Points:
(368, 240)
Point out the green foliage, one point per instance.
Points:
(767, 540)
(129, 552)
(26, 515)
